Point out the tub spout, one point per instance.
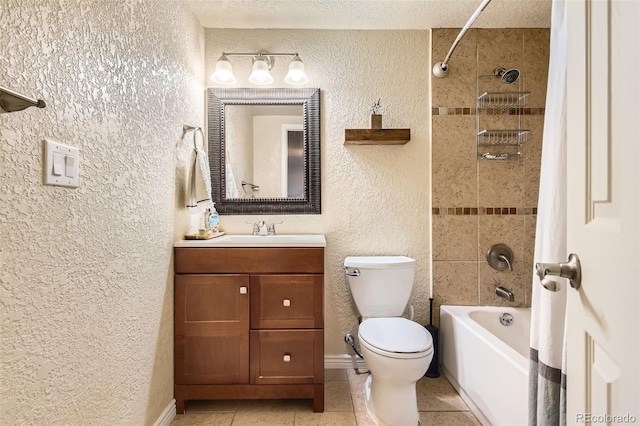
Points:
(503, 292)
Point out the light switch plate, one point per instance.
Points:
(67, 173)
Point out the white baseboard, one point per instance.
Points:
(167, 415)
(344, 361)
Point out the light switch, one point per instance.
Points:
(61, 165)
(58, 163)
(70, 166)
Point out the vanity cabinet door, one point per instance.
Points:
(212, 329)
(286, 301)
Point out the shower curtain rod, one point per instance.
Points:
(441, 69)
(11, 101)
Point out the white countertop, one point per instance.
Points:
(282, 240)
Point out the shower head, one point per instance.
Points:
(507, 76)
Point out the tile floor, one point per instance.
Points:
(438, 402)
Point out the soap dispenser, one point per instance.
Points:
(214, 219)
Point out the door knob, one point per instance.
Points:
(570, 270)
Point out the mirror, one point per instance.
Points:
(264, 150)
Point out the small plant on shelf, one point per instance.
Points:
(376, 119)
(376, 107)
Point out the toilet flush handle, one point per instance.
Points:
(355, 273)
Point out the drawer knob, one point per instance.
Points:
(243, 290)
(286, 302)
(286, 358)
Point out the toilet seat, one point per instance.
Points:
(395, 337)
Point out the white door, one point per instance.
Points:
(603, 223)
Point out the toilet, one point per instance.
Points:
(397, 351)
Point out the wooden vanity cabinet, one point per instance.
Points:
(249, 324)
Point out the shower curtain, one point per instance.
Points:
(547, 378)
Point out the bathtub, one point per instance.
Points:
(487, 362)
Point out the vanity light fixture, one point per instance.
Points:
(224, 72)
(260, 74)
(262, 64)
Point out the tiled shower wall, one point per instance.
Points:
(480, 203)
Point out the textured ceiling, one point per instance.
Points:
(369, 14)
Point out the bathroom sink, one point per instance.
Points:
(284, 240)
(264, 239)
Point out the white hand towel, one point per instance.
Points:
(199, 190)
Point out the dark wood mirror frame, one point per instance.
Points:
(309, 98)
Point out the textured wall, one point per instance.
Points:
(86, 294)
(375, 199)
(480, 203)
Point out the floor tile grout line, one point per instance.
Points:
(356, 409)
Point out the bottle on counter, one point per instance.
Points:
(213, 219)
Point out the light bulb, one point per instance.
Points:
(296, 74)
(260, 74)
(224, 72)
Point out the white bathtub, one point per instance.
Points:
(487, 362)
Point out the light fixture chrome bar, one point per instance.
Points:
(441, 69)
(259, 54)
(262, 63)
(11, 101)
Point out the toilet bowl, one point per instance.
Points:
(398, 353)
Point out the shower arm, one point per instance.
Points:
(441, 69)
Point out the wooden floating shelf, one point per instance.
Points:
(377, 136)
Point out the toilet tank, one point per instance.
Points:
(380, 285)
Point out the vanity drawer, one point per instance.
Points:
(287, 356)
(286, 301)
(273, 260)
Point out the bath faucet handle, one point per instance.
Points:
(500, 257)
(256, 229)
(505, 259)
(272, 227)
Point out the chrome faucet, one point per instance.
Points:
(503, 292)
(260, 228)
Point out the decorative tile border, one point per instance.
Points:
(481, 211)
(486, 111)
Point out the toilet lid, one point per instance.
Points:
(379, 262)
(398, 335)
